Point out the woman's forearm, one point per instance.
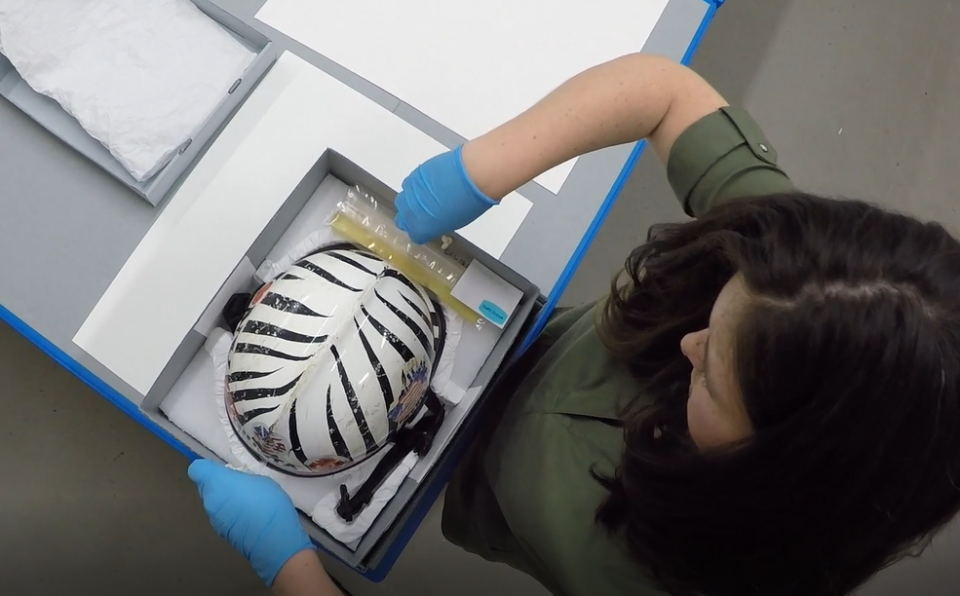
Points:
(304, 575)
(624, 100)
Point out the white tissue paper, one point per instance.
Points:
(140, 77)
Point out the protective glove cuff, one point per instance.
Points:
(475, 193)
(268, 569)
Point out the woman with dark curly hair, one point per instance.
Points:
(766, 404)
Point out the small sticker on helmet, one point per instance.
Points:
(415, 384)
(268, 442)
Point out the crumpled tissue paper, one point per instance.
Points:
(141, 77)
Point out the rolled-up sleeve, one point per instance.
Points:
(723, 157)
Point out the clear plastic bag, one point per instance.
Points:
(367, 222)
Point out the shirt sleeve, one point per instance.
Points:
(723, 157)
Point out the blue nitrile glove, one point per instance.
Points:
(253, 514)
(438, 198)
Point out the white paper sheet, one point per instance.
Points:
(140, 77)
(294, 116)
(469, 65)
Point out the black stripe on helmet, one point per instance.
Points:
(246, 417)
(270, 330)
(394, 274)
(246, 375)
(355, 406)
(291, 277)
(405, 353)
(343, 258)
(295, 435)
(414, 306)
(438, 321)
(284, 304)
(336, 437)
(248, 394)
(425, 341)
(265, 351)
(324, 274)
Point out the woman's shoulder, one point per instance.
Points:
(723, 157)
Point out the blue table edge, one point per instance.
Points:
(386, 564)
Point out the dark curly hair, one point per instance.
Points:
(848, 361)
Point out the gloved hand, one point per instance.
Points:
(253, 514)
(439, 197)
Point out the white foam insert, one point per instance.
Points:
(296, 114)
(469, 65)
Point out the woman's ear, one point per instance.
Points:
(693, 346)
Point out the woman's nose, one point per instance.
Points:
(692, 345)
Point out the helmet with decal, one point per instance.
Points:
(330, 360)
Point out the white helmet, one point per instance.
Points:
(329, 360)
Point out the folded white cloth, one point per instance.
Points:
(141, 77)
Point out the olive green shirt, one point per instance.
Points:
(524, 495)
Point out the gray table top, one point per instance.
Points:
(66, 227)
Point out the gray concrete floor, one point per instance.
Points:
(859, 97)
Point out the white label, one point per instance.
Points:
(487, 293)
